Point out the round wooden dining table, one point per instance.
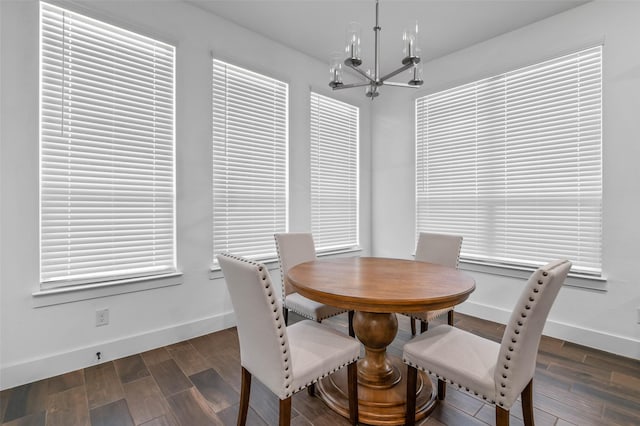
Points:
(377, 288)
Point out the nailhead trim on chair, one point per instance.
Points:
(414, 316)
(517, 330)
(277, 318)
(279, 324)
(284, 292)
(439, 377)
(319, 319)
(505, 370)
(417, 318)
(322, 376)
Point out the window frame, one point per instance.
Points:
(167, 273)
(321, 177)
(250, 81)
(493, 264)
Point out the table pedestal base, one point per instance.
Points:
(378, 406)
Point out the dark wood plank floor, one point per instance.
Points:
(197, 382)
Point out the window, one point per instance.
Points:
(513, 163)
(250, 141)
(334, 173)
(107, 193)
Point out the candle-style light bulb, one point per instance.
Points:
(335, 70)
(352, 48)
(410, 41)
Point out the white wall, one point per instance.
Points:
(605, 320)
(38, 342)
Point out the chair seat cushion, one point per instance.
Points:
(457, 356)
(310, 309)
(429, 315)
(317, 351)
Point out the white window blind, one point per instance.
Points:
(513, 164)
(250, 141)
(106, 151)
(334, 173)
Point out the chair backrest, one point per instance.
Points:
(264, 348)
(293, 248)
(519, 347)
(441, 249)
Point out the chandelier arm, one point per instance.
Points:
(362, 73)
(348, 86)
(398, 71)
(397, 84)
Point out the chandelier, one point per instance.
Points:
(373, 81)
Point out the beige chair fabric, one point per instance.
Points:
(496, 372)
(295, 248)
(441, 249)
(285, 359)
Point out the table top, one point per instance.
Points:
(373, 284)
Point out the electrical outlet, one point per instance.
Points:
(102, 317)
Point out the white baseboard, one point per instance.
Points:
(53, 365)
(60, 363)
(619, 345)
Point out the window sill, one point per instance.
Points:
(215, 272)
(272, 264)
(349, 250)
(573, 280)
(58, 296)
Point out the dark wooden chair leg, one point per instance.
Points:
(351, 332)
(527, 404)
(424, 326)
(442, 389)
(245, 390)
(450, 318)
(502, 416)
(285, 412)
(285, 314)
(311, 389)
(413, 326)
(352, 389)
(412, 379)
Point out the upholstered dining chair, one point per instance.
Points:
(285, 359)
(442, 249)
(498, 372)
(295, 248)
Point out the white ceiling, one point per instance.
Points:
(318, 27)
